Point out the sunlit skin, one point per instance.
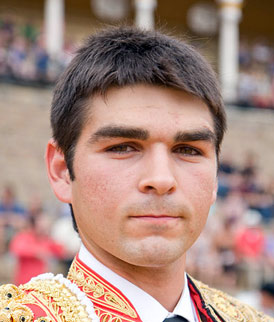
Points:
(145, 178)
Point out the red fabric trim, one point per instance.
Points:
(198, 301)
(100, 303)
(37, 310)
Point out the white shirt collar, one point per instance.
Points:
(148, 308)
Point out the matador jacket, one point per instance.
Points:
(85, 296)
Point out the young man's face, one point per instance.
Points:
(145, 175)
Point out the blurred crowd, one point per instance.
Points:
(24, 59)
(33, 239)
(256, 79)
(23, 56)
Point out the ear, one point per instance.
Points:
(58, 172)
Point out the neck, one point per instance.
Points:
(164, 283)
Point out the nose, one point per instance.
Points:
(158, 173)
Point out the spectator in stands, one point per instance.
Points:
(249, 248)
(35, 206)
(17, 55)
(29, 32)
(228, 176)
(255, 85)
(9, 204)
(269, 253)
(23, 57)
(247, 86)
(250, 240)
(7, 27)
(250, 165)
(33, 249)
(233, 206)
(262, 201)
(12, 215)
(41, 61)
(224, 241)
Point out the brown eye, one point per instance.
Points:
(187, 150)
(121, 148)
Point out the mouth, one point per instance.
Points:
(155, 218)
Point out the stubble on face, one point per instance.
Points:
(157, 245)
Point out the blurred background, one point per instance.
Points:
(37, 41)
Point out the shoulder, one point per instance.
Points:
(45, 298)
(226, 307)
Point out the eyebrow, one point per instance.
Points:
(114, 131)
(128, 132)
(195, 135)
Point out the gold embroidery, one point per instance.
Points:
(12, 307)
(103, 314)
(100, 293)
(57, 301)
(51, 309)
(16, 312)
(230, 309)
(9, 292)
(57, 297)
(106, 317)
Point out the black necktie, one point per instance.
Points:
(176, 318)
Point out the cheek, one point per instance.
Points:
(201, 200)
(101, 188)
(203, 192)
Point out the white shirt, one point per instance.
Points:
(148, 308)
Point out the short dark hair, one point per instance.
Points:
(124, 56)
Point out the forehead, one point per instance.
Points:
(148, 106)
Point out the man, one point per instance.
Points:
(137, 123)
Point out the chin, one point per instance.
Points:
(153, 252)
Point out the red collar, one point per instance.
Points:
(108, 301)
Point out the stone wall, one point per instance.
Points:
(24, 131)
(251, 131)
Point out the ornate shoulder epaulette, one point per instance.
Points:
(226, 308)
(46, 298)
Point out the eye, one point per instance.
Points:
(121, 148)
(187, 150)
